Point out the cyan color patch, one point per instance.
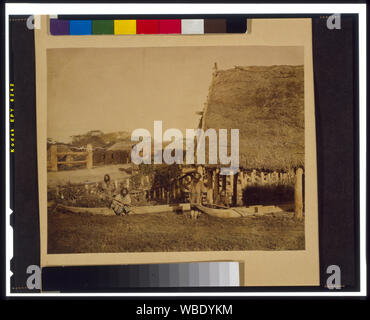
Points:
(80, 27)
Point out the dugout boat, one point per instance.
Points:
(105, 211)
(219, 212)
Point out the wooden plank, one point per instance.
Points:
(134, 210)
(71, 162)
(71, 153)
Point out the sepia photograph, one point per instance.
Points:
(175, 149)
(152, 152)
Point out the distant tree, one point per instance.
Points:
(51, 141)
(93, 137)
(99, 139)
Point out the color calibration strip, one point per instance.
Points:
(160, 26)
(113, 278)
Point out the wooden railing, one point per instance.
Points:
(69, 157)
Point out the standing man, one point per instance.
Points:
(197, 187)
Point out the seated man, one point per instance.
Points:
(121, 203)
(221, 199)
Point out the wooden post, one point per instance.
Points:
(239, 199)
(173, 187)
(291, 176)
(200, 171)
(223, 182)
(285, 177)
(168, 196)
(275, 177)
(243, 179)
(89, 157)
(216, 185)
(68, 160)
(298, 194)
(53, 158)
(178, 190)
(210, 181)
(142, 182)
(262, 177)
(235, 189)
(268, 178)
(253, 176)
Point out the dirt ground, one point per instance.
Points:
(85, 233)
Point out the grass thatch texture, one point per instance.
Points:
(267, 105)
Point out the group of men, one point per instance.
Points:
(196, 190)
(120, 202)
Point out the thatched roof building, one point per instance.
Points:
(267, 105)
(118, 153)
(121, 146)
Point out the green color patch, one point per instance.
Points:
(102, 27)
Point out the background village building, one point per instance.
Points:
(118, 153)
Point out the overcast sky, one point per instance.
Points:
(128, 88)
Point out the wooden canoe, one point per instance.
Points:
(219, 213)
(134, 210)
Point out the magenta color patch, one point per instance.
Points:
(170, 26)
(59, 27)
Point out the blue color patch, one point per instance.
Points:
(80, 27)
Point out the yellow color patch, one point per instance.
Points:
(124, 26)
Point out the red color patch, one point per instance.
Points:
(170, 26)
(147, 26)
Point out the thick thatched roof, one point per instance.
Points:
(267, 105)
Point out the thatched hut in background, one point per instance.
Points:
(266, 104)
(118, 153)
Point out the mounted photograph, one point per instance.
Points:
(173, 149)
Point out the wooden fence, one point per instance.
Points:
(232, 186)
(68, 158)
